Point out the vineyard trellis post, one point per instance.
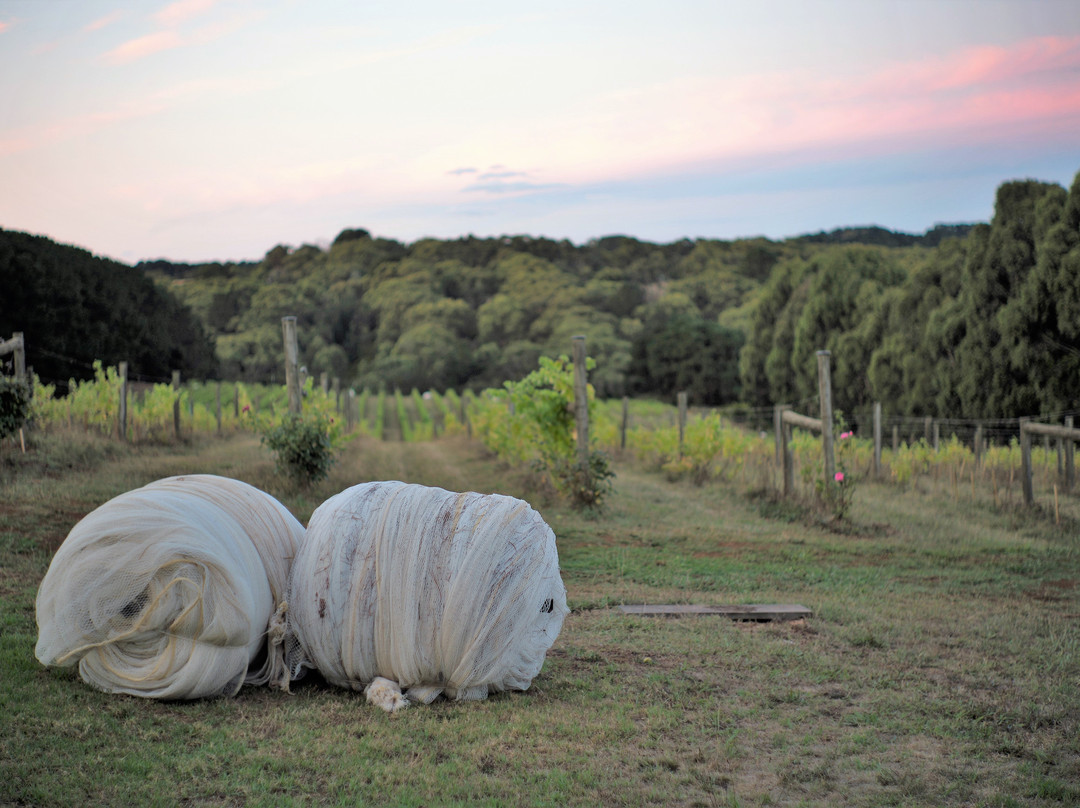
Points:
(978, 445)
(581, 406)
(681, 399)
(122, 420)
(292, 372)
(877, 438)
(1070, 455)
(625, 421)
(825, 393)
(217, 406)
(778, 426)
(176, 403)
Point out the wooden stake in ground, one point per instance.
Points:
(825, 391)
(581, 406)
(122, 425)
(292, 371)
(176, 403)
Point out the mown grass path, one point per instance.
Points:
(941, 667)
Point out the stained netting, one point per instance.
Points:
(442, 593)
(173, 591)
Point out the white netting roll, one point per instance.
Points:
(437, 591)
(172, 590)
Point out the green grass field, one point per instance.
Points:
(941, 666)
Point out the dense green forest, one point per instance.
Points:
(969, 320)
(987, 326)
(74, 307)
(474, 312)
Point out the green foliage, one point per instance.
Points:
(303, 446)
(14, 405)
(542, 430)
(75, 307)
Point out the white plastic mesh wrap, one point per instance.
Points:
(437, 591)
(170, 591)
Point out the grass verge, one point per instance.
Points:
(941, 666)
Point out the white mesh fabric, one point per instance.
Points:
(171, 590)
(437, 591)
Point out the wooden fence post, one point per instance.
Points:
(123, 371)
(335, 388)
(292, 373)
(236, 400)
(1025, 462)
(877, 438)
(1070, 454)
(978, 445)
(825, 392)
(681, 399)
(937, 436)
(324, 382)
(581, 406)
(176, 403)
(217, 406)
(625, 421)
(787, 458)
(350, 411)
(778, 426)
(896, 438)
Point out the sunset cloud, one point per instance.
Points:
(569, 120)
(103, 22)
(183, 10)
(143, 46)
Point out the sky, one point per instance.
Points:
(213, 130)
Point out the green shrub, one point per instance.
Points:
(14, 405)
(303, 446)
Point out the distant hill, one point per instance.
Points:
(882, 237)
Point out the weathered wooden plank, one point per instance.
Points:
(804, 421)
(755, 612)
(1053, 430)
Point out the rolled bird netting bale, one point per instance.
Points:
(173, 591)
(440, 592)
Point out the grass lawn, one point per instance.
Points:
(941, 666)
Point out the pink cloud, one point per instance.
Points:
(5, 25)
(143, 46)
(1026, 90)
(103, 22)
(182, 10)
(74, 127)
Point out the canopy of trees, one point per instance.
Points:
(74, 308)
(965, 320)
(987, 326)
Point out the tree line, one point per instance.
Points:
(980, 320)
(987, 326)
(75, 307)
(470, 313)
